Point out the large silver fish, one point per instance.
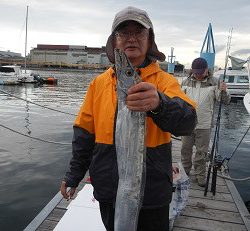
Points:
(130, 148)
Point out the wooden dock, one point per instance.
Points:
(223, 212)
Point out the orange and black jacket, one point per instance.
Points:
(94, 129)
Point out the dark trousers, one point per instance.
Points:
(149, 219)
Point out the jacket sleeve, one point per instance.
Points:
(82, 149)
(174, 115)
(223, 96)
(83, 142)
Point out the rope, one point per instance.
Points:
(233, 179)
(52, 109)
(34, 138)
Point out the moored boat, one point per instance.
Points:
(9, 82)
(237, 81)
(236, 77)
(13, 75)
(9, 74)
(45, 80)
(246, 99)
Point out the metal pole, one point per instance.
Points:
(26, 28)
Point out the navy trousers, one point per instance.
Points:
(149, 219)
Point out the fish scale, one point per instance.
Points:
(130, 149)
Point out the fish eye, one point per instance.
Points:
(129, 73)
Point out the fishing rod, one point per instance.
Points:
(215, 161)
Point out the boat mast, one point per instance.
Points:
(26, 27)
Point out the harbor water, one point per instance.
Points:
(31, 170)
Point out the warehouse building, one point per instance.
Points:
(68, 55)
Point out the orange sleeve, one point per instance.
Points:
(85, 118)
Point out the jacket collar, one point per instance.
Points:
(144, 72)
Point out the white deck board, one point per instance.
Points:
(82, 213)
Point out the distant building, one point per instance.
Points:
(177, 68)
(68, 55)
(9, 54)
(8, 57)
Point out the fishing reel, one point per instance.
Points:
(218, 162)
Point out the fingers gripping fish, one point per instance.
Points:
(130, 148)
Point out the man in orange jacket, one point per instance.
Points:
(168, 109)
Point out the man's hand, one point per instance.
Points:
(67, 195)
(223, 86)
(142, 97)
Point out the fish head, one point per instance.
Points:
(124, 69)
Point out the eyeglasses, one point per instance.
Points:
(198, 75)
(139, 35)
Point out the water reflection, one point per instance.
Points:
(234, 123)
(30, 171)
(27, 115)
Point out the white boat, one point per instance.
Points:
(9, 75)
(237, 81)
(236, 77)
(246, 99)
(28, 76)
(12, 74)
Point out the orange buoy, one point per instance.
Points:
(51, 80)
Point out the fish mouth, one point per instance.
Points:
(121, 60)
(118, 56)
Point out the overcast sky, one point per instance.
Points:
(181, 24)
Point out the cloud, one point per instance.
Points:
(180, 24)
(241, 52)
(219, 48)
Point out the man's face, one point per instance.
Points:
(133, 39)
(201, 76)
